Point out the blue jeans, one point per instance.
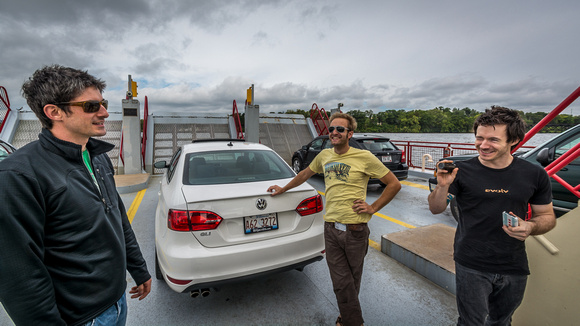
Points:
(486, 298)
(116, 315)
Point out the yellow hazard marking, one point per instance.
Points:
(374, 245)
(388, 218)
(416, 185)
(135, 205)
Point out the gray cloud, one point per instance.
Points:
(199, 56)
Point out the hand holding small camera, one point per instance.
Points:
(446, 172)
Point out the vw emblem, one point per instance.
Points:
(261, 204)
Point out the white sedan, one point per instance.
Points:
(215, 223)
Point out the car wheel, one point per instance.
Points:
(454, 209)
(297, 164)
(158, 274)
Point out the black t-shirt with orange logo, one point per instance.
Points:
(482, 195)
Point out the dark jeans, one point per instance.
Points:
(345, 253)
(486, 298)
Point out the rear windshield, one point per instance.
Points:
(377, 145)
(221, 167)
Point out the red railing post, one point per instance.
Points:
(571, 98)
(319, 117)
(144, 138)
(237, 121)
(6, 101)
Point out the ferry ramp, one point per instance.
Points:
(170, 131)
(285, 133)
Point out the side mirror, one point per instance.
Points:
(305, 147)
(161, 165)
(544, 157)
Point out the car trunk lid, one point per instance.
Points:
(237, 204)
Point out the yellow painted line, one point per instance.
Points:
(416, 185)
(135, 205)
(409, 226)
(374, 245)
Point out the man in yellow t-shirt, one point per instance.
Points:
(346, 171)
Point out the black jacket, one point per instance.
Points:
(65, 245)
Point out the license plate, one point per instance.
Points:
(260, 223)
(386, 159)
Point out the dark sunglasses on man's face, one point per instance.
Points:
(88, 106)
(340, 129)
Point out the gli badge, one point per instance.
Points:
(261, 204)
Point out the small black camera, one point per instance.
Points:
(447, 166)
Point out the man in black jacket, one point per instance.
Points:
(65, 239)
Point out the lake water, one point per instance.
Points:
(417, 154)
(457, 137)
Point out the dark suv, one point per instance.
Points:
(391, 156)
(544, 154)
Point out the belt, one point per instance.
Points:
(351, 227)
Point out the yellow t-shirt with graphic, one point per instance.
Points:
(346, 177)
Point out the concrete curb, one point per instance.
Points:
(128, 183)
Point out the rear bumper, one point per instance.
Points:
(210, 267)
(214, 284)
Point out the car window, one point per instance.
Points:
(328, 144)
(222, 167)
(377, 145)
(563, 148)
(172, 165)
(317, 144)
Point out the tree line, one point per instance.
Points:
(440, 120)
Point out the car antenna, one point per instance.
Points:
(230, 144)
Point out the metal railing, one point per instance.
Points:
(416, 151)
(4, 106)
(319, 119)
(570, 154)
(237, 121)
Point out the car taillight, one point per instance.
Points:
(178, 282)
(403, 159)
(192, 220)
(310, 206)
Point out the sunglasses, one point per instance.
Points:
(340, 129)
(88, 106)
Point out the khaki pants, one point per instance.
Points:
(345, 253)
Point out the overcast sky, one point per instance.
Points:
(198, 56)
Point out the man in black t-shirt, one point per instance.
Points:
(491, 265)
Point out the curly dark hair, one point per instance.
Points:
(499, 115)
(56, 84)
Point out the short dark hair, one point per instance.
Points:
(499, 115)
(56, 84)
(350, 118)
